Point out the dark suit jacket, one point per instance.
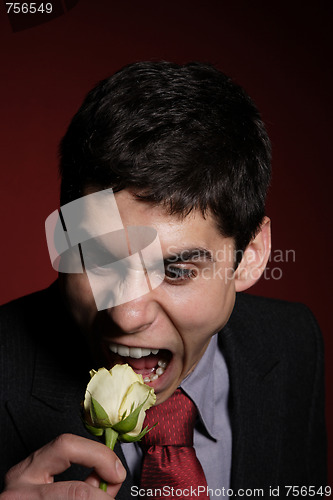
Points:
(274, 354)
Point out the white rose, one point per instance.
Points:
(117, 399)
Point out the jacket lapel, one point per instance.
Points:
(60, 376)
(256, 401)
(44, 416)
(52, 408)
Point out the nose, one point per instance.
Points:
(135, 315)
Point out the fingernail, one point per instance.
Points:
(121, 471)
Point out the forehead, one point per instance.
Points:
(108, 212)
(193, 230)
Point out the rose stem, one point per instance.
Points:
(110, 440)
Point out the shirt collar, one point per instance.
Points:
(208, 386)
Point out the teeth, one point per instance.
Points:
(155, 374)
(140, 352)
(132, 352)
(135, 352)
(123, 350)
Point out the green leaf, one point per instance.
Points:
(127, 438)
(95, 431)
(98, 414)
(130, 422)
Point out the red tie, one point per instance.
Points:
(169, 457)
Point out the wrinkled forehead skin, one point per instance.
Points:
(88, 235)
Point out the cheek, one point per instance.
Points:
(202, 308)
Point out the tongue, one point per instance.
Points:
(145, 363)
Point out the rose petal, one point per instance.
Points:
(97, 388)
(136, 395)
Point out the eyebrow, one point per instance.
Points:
(189, 254)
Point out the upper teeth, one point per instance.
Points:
(132, 352)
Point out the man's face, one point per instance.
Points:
(163, 333)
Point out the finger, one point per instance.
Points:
(93, 479)
(58, 456)
(68, 490)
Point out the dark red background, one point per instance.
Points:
(280, 52)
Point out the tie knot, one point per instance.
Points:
(175, 422)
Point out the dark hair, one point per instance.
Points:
(185, 136)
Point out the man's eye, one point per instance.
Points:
(179, 274)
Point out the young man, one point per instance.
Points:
(186, 154)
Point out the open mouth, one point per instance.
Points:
(151, 363)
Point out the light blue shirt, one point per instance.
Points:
(208, 387)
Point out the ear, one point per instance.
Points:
(255, 258)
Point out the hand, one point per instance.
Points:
(33, 478)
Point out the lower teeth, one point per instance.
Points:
(155, 374)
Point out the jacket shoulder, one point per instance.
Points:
(274, 315)
(26, 325)
(23, 316)
(277, 345)
(287, 329)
